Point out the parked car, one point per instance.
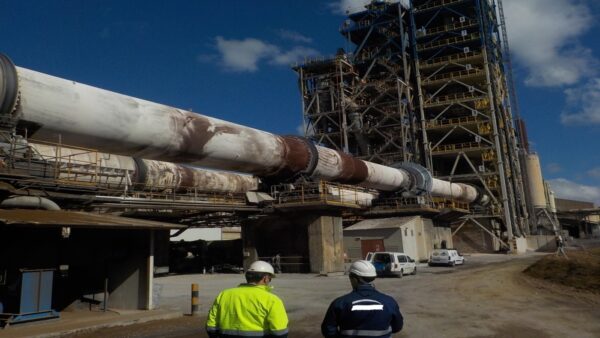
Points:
(392, 263)
(448, 257)
(226, 268)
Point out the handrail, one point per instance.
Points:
(322, 192)
(452, 121)
(449, 27)
(434, 4)
(449, 41)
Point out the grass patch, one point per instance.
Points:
(581, 270)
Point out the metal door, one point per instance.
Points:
(371, 245)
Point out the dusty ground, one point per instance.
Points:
(488, 297)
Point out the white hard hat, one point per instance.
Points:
(263, 267)
(363, 269)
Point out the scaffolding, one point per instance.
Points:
(362, 102)
(464, 105)
(429, 84)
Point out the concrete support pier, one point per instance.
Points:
(307, 242)
(326, 245)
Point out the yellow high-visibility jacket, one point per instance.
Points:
(248, 310)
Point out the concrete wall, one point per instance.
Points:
(392, 241)
(521, 245)
(565, 204)
(416, 239)
(471, 238)
(410, 237)
(325, 244)
(231, 233)
(541, 243)
(430, 237)
(306, 242)
(595, 231)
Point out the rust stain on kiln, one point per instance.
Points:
(187, 177)
(195, 131)
(296, 157)
(354, 171)
(204, 180)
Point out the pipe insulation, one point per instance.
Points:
(53, 108)
(29, 202)
(118, 171)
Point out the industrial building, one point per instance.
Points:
(412, 131)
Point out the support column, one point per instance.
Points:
(325, 245)
(249, 244)
(150, 271)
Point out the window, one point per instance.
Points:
(382, 258)
(402, 259)
(412, 233)
(405, 232)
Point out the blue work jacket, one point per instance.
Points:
(364, 312)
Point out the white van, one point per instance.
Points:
(392, 263)
(448, 257)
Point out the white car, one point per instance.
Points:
(448, 257)
(392, 263)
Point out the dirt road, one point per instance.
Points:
(488, 297)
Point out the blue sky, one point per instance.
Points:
(231, 60)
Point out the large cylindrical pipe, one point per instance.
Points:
(95, 118)
(29, 202)
(160, 174)
(114, 123)
(117, 171)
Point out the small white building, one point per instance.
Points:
(208, 234)
(414, 235)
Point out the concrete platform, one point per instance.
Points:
(78, 321)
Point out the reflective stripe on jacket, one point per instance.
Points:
(364, 312)
(247, 311)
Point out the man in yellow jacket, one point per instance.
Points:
(249, 310)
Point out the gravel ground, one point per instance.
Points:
(487, 297)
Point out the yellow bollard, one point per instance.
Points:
(195, 299)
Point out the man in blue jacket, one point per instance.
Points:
(364, 312)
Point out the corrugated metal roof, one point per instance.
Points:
(382, 223)
(75, 219)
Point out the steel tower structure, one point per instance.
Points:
(458, 123)
(464, 105)
(362, 102)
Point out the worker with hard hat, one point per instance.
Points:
(249, 310)
(364, 312)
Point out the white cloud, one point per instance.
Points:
(294, 36)
(585, 101)
(543, 36)
(206, 58)
(564, 188)
(594, 172)
(554, 168)
(294, 55)
(352, 6)
(245, 55)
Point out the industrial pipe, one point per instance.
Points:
(50, 107)
(29, 202)
(117, 171)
